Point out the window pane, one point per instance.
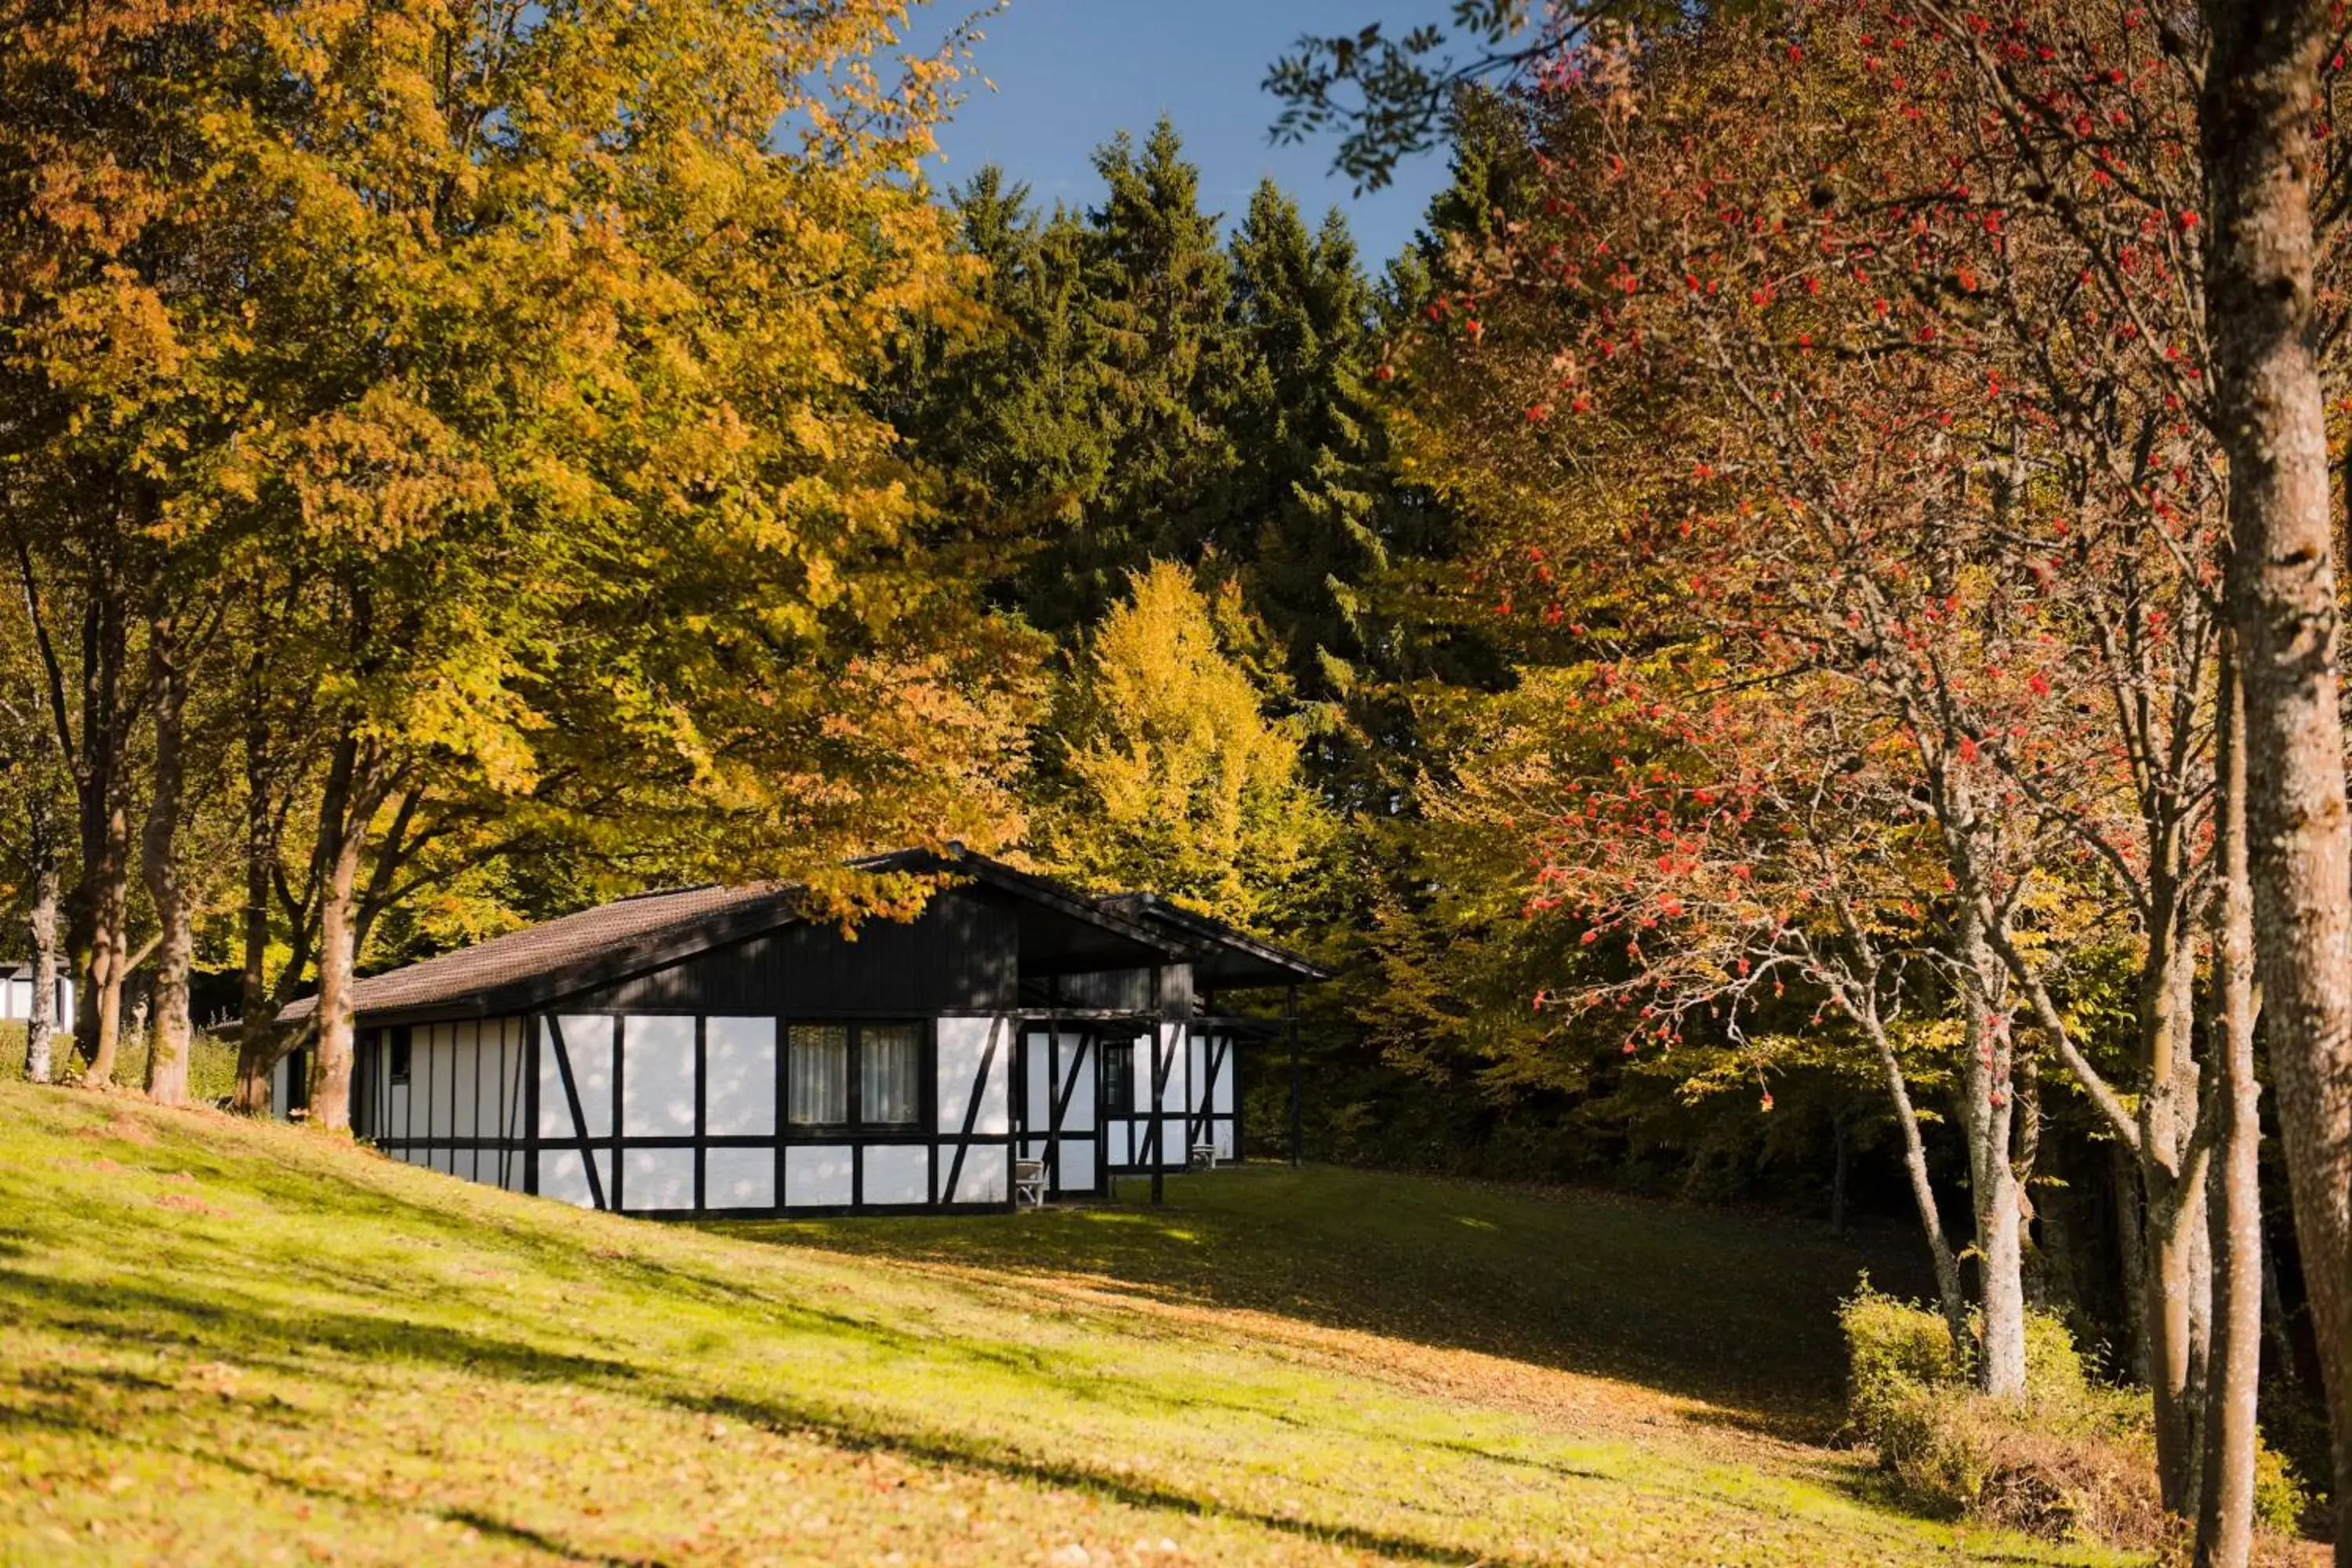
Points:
(819, 1087)
(887, 1077)
(1119, 1076)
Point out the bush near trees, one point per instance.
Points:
(2075, 1460)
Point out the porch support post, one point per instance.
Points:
(1158, 1092)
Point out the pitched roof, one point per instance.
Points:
(1229, 954)
(648, 929)
(605, 937)
(956, 860)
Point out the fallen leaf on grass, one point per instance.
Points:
(124, 1127)
(188, 1202)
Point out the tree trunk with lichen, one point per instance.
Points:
(2177, 1265)
(257, 1038)
(357, 785)
(2257, 112)
(172, 1032)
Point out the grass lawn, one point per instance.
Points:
(227, 1343)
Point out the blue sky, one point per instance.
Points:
(1070, 73)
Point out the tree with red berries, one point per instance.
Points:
(2088, 143)
(1931, 458)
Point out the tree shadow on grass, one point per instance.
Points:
(259, 1336)
(230, 1324)
(1737, 1310)
(953, 1452)
(1722, 1307)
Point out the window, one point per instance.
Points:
(884, 1060)
(398, 1052)
(818, 1091)
(889, 1086)
(1119, 1076)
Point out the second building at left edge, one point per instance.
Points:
(715, 1051)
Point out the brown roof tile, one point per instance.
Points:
(589, 937)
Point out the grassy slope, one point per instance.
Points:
(227, 1343)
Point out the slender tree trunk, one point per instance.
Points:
(2199, 1224)
(40, 1024)
(1992, 1175)
(2175, 1252)
(2256, 113)
(357, 783)
(2174, 1216)
(331, 1089)
(257, 1040)
(100, 909)
(98, 1025)
(171, 1031)
(1923, 1191)
(2131, 1247)
(2225, 1511)
(2028, 1074)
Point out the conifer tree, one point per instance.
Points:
(1004, 413)
(1311, 477)
(1155, 301)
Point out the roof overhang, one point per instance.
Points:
(1063, 932)
(621, 960)
(1225, 957)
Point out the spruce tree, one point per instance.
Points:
(1311, 474)
(1004, 414)
(1154, 319)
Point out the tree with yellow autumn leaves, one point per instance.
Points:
(437, 430)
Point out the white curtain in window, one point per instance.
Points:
(818, 1091)
(887, 1075)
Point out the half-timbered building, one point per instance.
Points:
(16, 992)
(719, 1051)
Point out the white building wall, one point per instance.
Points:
(674, 1093)
(16, 1001)
(740, 1095)
(897, 1173)
(818, 1176)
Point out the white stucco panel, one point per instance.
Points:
(898, 1173)
(817, 1176)
(963, 1046)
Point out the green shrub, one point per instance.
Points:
(1893, 1349)
(2074, 1459)
(2071, 1460)
(2054, 1370)
(2280, 1499)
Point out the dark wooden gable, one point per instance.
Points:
(960, 954)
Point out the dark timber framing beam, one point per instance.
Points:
(972, 1115)
(1159, 1064)
(579, 1119)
